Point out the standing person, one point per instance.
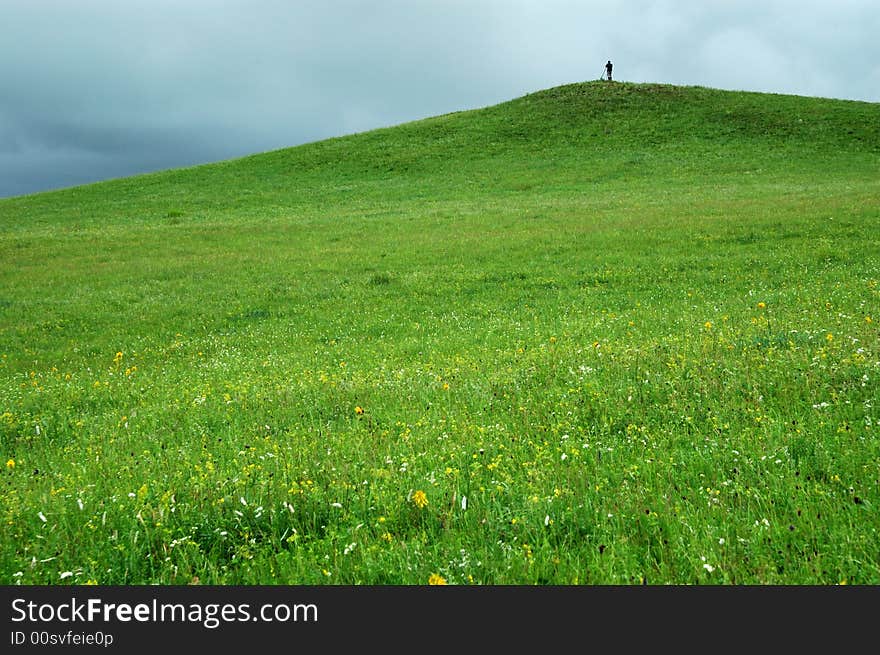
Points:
(608, 68)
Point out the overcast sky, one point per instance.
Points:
(95, 89)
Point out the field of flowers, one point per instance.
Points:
(603, 334)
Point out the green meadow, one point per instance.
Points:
(602, 334)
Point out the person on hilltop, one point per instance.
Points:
(608, 68)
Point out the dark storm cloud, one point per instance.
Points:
(93, 89)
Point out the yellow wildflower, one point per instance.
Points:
(10, 464)
(436, 579)
(358, 410)
(419, 499)
(761, 305)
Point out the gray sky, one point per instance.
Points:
(95, 89)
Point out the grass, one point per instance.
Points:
(601, 334)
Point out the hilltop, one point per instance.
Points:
(573, 136)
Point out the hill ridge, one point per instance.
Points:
(581, 130)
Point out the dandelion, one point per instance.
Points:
(708, 325)
(436, 579)
(117, 358)
(868, 319)
(358, 410)
(419, 499)
(829, 337)
(10, 464)
(762, 305)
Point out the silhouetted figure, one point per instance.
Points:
(608, 68)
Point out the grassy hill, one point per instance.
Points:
(601, 334)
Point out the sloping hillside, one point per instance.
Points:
(570, 137)
(601, 334)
